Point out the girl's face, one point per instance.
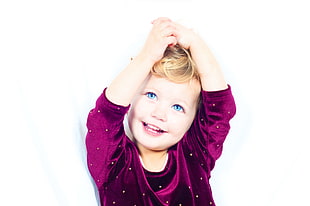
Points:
(162, 112)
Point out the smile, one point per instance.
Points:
(152, 129)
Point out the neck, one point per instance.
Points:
(153, 161)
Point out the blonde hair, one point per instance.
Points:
(176, 65)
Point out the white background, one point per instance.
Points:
(57, 56)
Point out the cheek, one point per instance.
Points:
(187, 122)
(138, 110)
(182, 124)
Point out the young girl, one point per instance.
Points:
(178, 106)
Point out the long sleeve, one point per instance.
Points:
(105, 138)
(211, 125)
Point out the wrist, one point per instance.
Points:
(143, 60)
(147, 58)
(197, 43)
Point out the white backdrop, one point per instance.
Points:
(57, 56)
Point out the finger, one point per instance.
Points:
(167, 29)
(160, 20)
(168, 33)
(163, 24)
(171, 41)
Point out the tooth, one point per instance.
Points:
(153, 127)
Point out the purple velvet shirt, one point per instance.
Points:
(114, 163)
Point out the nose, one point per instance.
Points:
(159, 112)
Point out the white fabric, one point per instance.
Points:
(57, 56)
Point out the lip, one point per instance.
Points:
(153, 130)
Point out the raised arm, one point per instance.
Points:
(212, 78)
(125, 85)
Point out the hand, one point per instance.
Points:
(211, 76)
(185, 36)
(160, 37)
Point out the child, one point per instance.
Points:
(178, 106)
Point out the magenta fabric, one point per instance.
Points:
(114, 163)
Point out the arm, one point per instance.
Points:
(105, 134)
(217, 108)
(126, 84)
(212, 78)
(205, 139)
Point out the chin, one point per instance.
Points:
(155, 148)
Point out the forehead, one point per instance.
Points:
(188, 91)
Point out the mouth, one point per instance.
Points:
(152, 129)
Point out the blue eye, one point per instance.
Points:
(178, 108)
(151, 95)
